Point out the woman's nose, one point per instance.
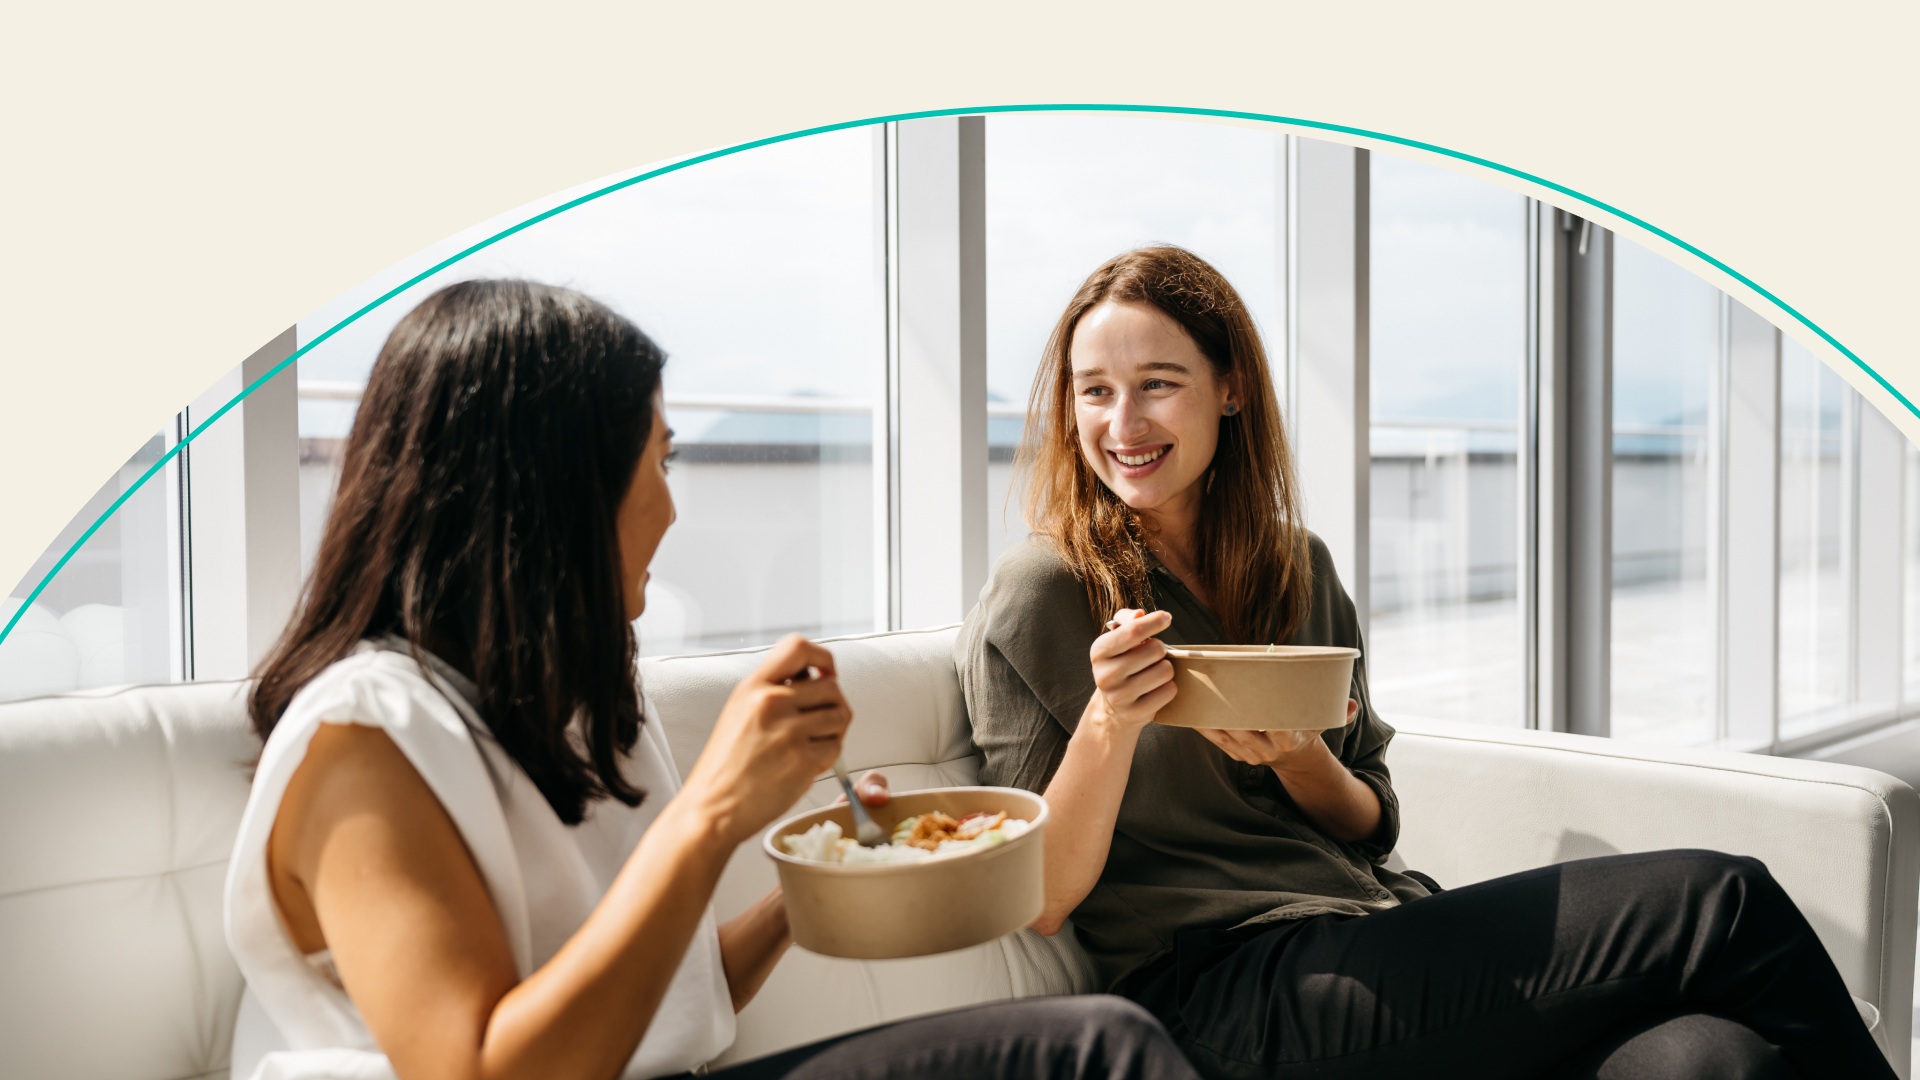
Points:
(1129, 420)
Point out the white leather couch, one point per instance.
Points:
(118, 809)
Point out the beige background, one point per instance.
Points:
(183, 182)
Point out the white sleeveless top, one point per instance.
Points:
(544, 876)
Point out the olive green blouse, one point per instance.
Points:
(1201, 840)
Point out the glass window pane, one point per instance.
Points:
(1813, 600)
(756, 273)
(1448, 326)
(1666, 344)
(1067, 192)
(111, 615)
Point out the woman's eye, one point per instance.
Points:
(1094, 391)
(666, 463)
(1157, 384)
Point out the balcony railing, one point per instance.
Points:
(317, 390)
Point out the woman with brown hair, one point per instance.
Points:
(1235, 882)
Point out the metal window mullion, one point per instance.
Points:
(180, 550)
(1527, 574)
(1553, 299)
(1850, 536)
(1878, 607)
(1589, 476)
(1750, 628)
(1331, 412)
(886, 382)
(243, 516)
(939, 367)
(1290, 194)
(1718, 400)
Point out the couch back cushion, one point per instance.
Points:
(910, 721)
(117, 813)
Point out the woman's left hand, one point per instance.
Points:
(1338, 803)
(872, 787)
(1278, 750)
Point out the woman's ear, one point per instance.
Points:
(1230, 406)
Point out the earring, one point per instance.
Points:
(1232, 409)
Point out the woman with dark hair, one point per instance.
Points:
(1234, 882)
(467, 852)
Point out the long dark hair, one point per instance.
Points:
(498, 434)
(1252, 545)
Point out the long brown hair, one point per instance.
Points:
(499, 432)
(1252, 546)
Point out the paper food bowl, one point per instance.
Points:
(1260, 687)
(881, 911)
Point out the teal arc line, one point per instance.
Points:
(1174, 110)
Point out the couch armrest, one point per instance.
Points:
(1479, 802)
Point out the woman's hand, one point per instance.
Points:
(1339, 804)
(1132, 676)
(872, 789)
(781, 728)
(1283, 751)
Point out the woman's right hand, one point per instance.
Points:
(1131, 673)
(781, 728)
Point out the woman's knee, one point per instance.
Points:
(1692, 1045)
(1105, 1012)
(1706, 869)
(1106, 1036)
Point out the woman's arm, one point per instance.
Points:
(752, 942)
(1133, 680)
(366, 862)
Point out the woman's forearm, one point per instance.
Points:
(751, 943)
(1083, 803)
(1338, 803)
(584, 1011)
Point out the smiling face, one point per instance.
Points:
(1148, 406)
(645, 512)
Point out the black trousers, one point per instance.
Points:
(1666, 964)
(1092, 1037)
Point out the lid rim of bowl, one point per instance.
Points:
(1217, 652)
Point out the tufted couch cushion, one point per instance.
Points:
(117, 812)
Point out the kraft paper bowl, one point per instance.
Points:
(881, 911)
(1260, 687)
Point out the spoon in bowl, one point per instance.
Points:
(866, 830)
